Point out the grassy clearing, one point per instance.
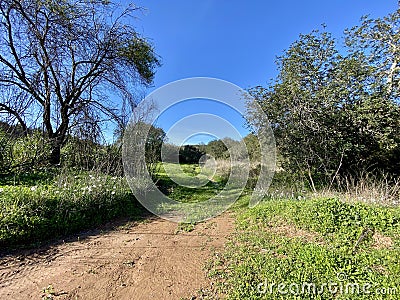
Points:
(190, 175)
(38, 207)
(312, 249)
(189, 186)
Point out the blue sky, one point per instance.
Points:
(238, 41)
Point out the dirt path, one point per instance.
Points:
(148, 260)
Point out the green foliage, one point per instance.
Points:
(29, 178)
(5, 152)
(377, 41)
(30, 151)
(170, 153)
(139, 53)
(319, 241)
(86, 155)
(190, 154)
(220, 149)
(19, 153)
(69, 203)
(328, 216)
(217, 149)
(155, 139)
(185, 227)
(332, 113)
(253, 147)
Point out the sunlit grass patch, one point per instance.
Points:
(196, 190)
(317, 241)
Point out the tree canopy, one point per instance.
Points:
(333, 111)
(64, 63)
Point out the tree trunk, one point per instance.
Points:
(57, 140)
(55, 155)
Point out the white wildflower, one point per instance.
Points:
(33, 188)
(1, 190)
(113, 193)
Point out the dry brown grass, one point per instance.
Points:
(367, 188)
(381, 241)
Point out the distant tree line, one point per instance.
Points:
(220, 149)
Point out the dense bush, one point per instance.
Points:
(86, 155)
(5, 152)
(336, 112)
(189, 154)
(21, 153)
(30, 151)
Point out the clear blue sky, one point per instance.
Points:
(238, 41)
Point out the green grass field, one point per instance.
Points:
(311, 249)
(190, 175)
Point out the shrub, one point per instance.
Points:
(30, 151)
(5, 152)
(89, 156)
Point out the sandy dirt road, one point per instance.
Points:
(145, 260)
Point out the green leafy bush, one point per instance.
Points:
(30, 151)
(5, 152)
(86, 155)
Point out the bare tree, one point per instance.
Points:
(69, 61)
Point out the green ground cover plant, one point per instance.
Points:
(37, 207)
(311, 249)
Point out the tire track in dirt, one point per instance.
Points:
(145, 261)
